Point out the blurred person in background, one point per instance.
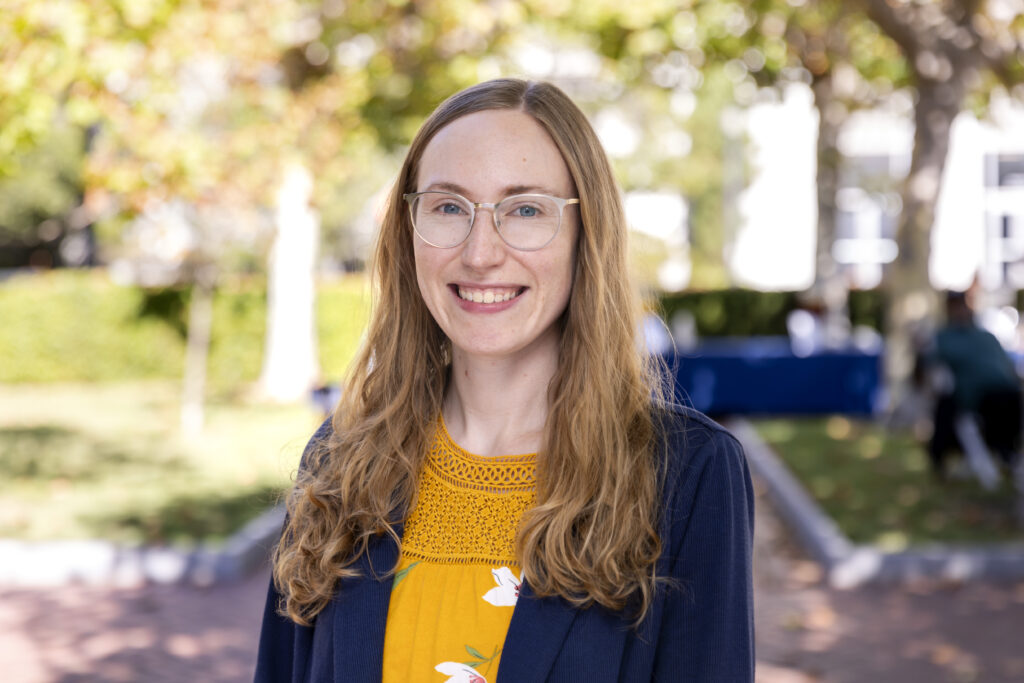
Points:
(977, 393)
(500, 484)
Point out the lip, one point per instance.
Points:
(494, 307)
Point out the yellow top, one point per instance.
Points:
(458, 579)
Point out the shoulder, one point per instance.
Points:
(690, 439)
(317, 446)
(705, 467)
(322, 435)
(705, 629)
(990, 338)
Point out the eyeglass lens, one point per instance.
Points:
(523, 221)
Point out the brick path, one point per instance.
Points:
(153, 634)
(927, 633)
(806, 632)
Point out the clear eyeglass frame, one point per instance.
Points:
(560, 202)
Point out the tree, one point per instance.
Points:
(848, 65)
(713, 53)
(201, 106)
(951, 54)
(290, 368)
(958, 52)
(654, 74)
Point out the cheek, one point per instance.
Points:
(567, 265)
(418, 263)
(560, 275)
(424, 271)
(569, 275)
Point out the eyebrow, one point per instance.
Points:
(508, 191)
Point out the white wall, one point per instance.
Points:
(774, 246)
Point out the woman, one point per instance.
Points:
(613, 546)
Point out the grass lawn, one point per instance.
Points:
(878, 487)
(107, 461)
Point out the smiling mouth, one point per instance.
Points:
(488, 296)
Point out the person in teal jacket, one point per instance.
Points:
(502, 424)
(984, 385)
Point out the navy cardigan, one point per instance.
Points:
(699, 628)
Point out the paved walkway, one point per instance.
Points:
(927, 632)
(806, 632)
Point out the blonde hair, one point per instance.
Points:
(593, 535)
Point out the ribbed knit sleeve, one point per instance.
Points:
(707, 631)
(284, 646)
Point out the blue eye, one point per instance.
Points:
(451, 209)
(527, 210)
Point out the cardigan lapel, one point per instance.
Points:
(360, 615)
(535, 636)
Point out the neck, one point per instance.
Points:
(499, 406)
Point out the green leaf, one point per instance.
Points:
(475, 653)
(473, 664)
(400, 574)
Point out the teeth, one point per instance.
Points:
(486, 296)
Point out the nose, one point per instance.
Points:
(484, 247)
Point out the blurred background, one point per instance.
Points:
(189, 192)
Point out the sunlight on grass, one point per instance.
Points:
(838, 428)
(107, 461)
(878, 488)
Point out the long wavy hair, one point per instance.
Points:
(593, 535)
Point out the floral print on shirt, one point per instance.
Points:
(459, 673)
(506, 593)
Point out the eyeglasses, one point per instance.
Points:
(524, 221)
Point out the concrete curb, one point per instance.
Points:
(847, 565)
(52, 563)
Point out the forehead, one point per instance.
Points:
(494, 151)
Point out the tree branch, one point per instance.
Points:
(897, 25)
(968, 9)
(999, 65)
(988, 53)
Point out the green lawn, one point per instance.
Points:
(878, 487)
(71, 325)
(107, 461)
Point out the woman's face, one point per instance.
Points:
(486, 157)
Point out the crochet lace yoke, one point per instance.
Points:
(469, 506)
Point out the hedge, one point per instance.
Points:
(745, 312)
(73, 325)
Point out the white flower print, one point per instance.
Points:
(460, 673)
(506, 593)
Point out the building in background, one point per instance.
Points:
(979, 226)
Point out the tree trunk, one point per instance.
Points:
(289, 362)
(829, 285)
(911, 299)
(197, 348)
